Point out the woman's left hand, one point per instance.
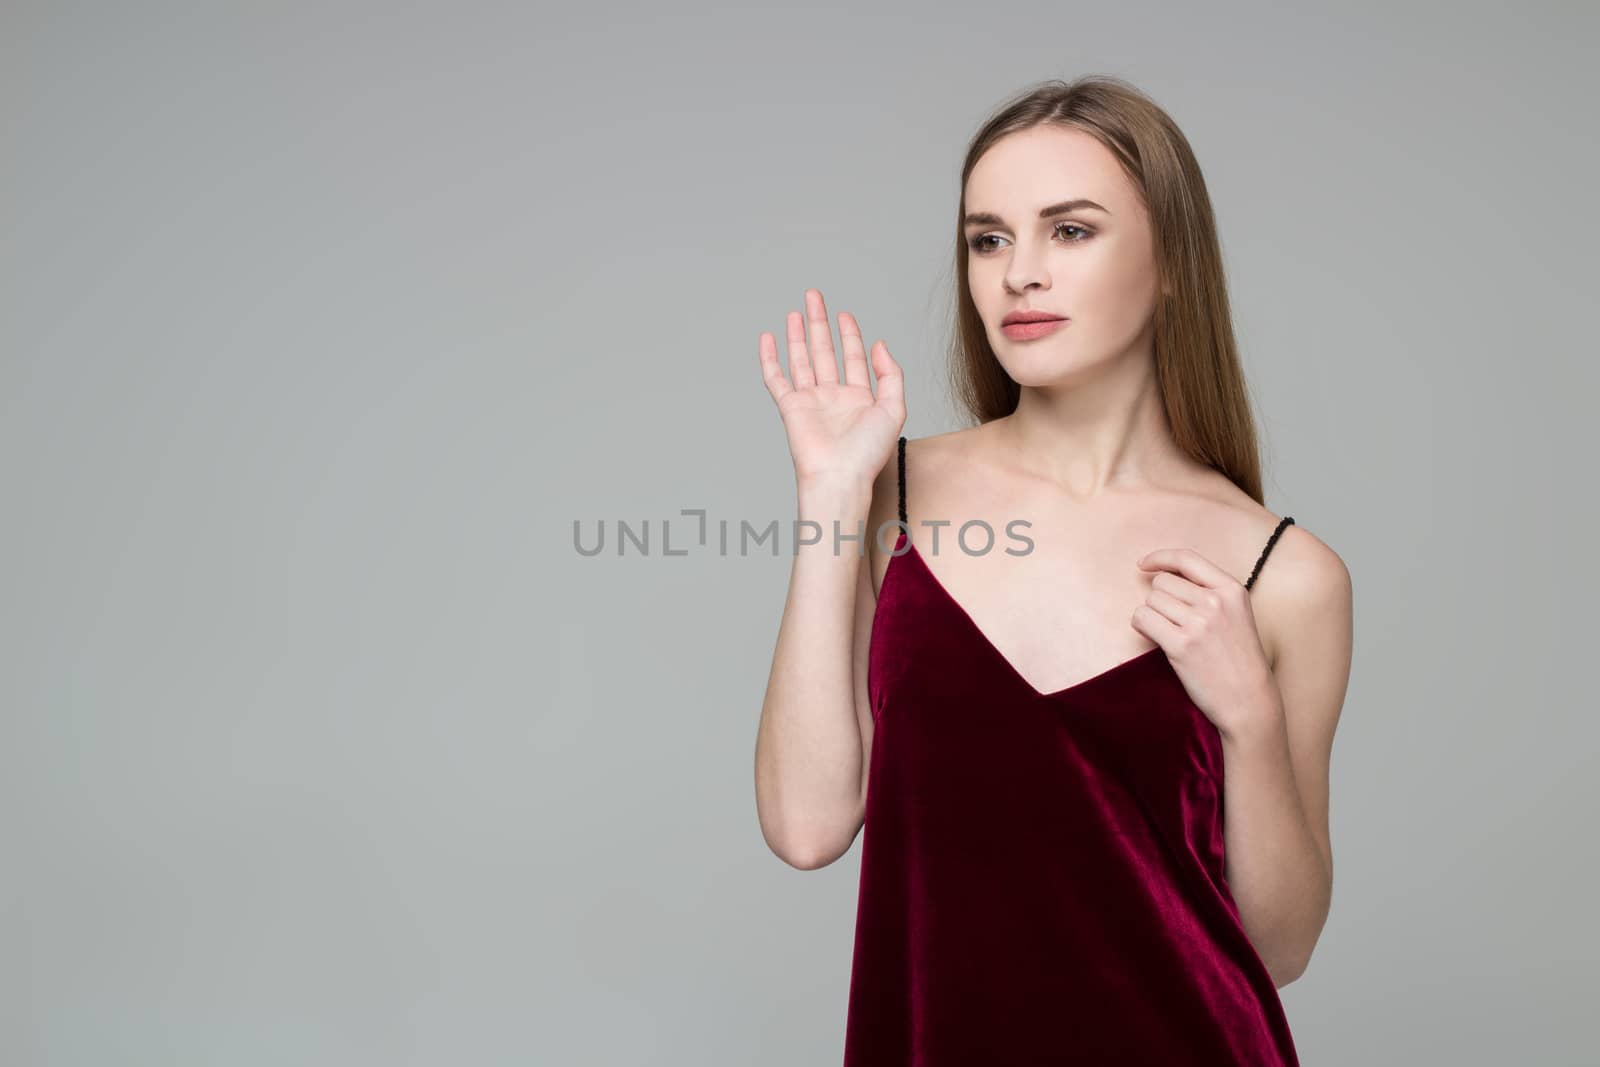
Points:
(1201, 616)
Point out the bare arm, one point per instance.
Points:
(1279, 855)
(810, 750)
(811, 744)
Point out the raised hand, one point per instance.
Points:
(836, 430)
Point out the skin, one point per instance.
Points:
(1151, 546)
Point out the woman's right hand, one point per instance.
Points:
(837, 430)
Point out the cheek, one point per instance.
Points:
(986, 286)
(1117, 288)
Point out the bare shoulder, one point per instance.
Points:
(951, 457)
(928, 462)
(1303, 563)
(1303, 597)
(943, 449)
(931, 460)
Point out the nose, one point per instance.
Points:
(1026, 270)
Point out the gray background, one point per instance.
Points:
(322, 324)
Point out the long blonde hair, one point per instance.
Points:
(1198, 372)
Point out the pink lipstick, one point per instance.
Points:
(1027, 331)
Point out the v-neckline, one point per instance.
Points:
(994, 650)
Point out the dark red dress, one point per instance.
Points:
(1042, 873)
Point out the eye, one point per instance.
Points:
(978, 246)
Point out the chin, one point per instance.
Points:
(1041, 368)
(1037, 376)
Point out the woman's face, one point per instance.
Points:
(1093, 264)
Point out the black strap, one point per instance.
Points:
(903, 481)
(1287, 519)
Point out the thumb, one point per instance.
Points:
(891, 383)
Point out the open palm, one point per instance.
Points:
(836, 429)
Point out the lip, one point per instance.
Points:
(1026, 330)
(1030, 315)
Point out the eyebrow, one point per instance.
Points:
(985, 218)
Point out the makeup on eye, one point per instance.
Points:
(976, 246)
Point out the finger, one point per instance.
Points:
(1189, 563)
(855, 356)
(799, 359)
(771, 371)
(1154, 625)
(1178, 586)
(891, 383)
(1180, 612)
(824, 360)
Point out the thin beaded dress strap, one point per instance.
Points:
(903, 486)
(1287, 519)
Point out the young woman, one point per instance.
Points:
(1085, 722)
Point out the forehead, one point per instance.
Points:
(1025, 170)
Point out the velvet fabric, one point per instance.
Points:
(1042, 875)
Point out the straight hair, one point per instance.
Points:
(1197, 367)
